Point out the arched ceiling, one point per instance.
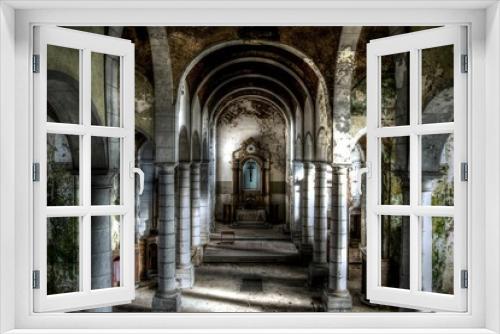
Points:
(255, 84)
(300, 65)
(277, 73)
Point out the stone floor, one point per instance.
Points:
(259, 272)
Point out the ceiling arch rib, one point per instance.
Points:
(257, 66)
(264, 97)
(292, 58)
(264, 83)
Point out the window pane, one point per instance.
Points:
(395, 252)
(395, 89)
(437, 254)
(63, 85)
(437, 84)
(437, 169)
(105, 252)
(63, 169)
(395, 171)
(63, 263)
(105, 157)
(105, 89)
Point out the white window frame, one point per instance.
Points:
(85, 43)
(413, 43)
(16, 21)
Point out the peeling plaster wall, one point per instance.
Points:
(238, 122)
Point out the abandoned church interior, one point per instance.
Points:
(253, 146)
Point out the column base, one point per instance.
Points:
(167, 301)
(296, 238)
(337, 302)
(197, 255)
(204, 239)
(185, 277)
(306, 252)
(318, 275)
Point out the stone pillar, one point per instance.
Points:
(337, 297)
(211, 196)
(139, 229)
(196, 248)
(185, 271)
(266, 177)
(101, 253)
(296, 228)
(236, 191)
(167, 297)
(307, 210)
(426, 236)
(204, 204)
(318, 270)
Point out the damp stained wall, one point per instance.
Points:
(240, 121)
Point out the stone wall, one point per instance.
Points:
(240, 121)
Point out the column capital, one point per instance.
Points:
(184, 165)
(166, 166)
(336, 167)
(321, 165)
(104, 180)
(309, 164)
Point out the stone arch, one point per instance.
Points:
(306, 65)
(204, 149)
(164, 110)
(297, 53)
(298, 148)
(322, 145)
(195, 147)
(184, 151)
(64, 107)
(344, 74)
(308, 153)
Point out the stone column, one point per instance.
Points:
(318, 270)
(196, 248)
(266, 178)
(211, 196)
(139, 228)
(101, 252)
(204, 205)
(236, 191)
(185, 271)
(337, 297)
(426, 237)
(296, 229)
(307, 210)
(166, 298)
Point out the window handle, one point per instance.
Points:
(134, 170)
(367, 170)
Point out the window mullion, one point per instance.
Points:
(415, 162)
(86, 103)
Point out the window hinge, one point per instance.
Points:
(465, 63)
(36, 279)
(464, 284)
(36, 63)
(464, 171)
(36, 172)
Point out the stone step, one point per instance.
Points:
(251, 224)
(251, 251)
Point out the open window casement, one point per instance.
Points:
(83, 170)
(417, 153)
